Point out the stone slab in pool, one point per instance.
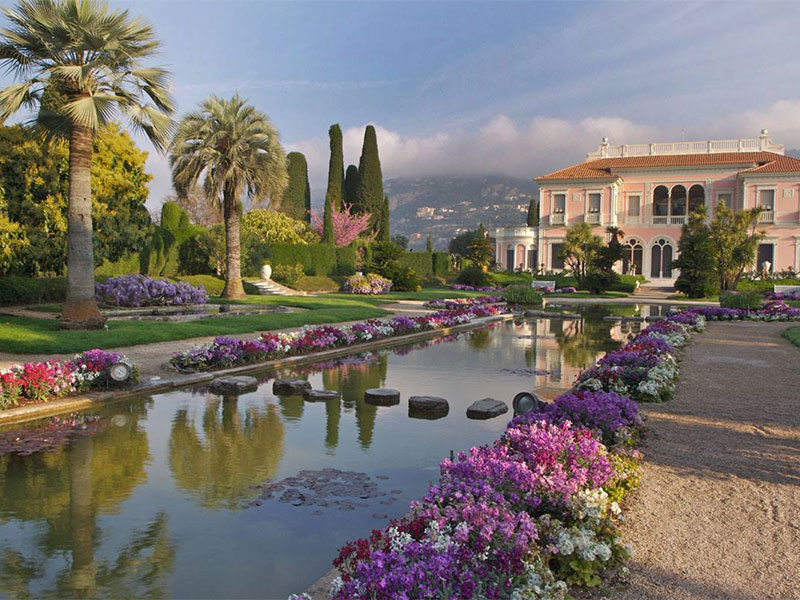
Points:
(290, 387)
(382, 397)
(427, 407)
(487, 408)
(320, 395)
(234, 385)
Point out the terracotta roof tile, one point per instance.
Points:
(607, 168)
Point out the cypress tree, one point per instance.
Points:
(335, 167)
(429, 245)
(385, 231)
(533, 213)
(296, 200)
(351, 185)
(327, 223)
(370, 196)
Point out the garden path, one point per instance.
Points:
(718, 513)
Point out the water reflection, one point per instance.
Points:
(63, 493)
(231, 450)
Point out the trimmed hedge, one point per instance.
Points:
(441, 264)
(127, 265)
(317, 259)
(421, 262)
(765, 285)
(15, 289)
(748, 300)
(213, 285)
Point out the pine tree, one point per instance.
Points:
(533, 213)
(385, 231)
(370, 196)
(429, 245)
(351, 184)
(296, 200)
(335, 167)
(327, 223)
(696, 260)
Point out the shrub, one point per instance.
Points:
(273, 227)
(441, 264)
(749, 300)
(404, 279)
(522, 294)
(195, 253)
(128, 264)
(421, 262)
(138, 290)
(15, 289)
(317, 259)
(597, 281)
(370, 284)
(288, 275)
(476, 277)
(765, 285)
(213, 285)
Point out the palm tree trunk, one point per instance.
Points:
(233, 249)
(82, 523)
(80, 308)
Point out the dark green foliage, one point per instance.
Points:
(533, 213)
(390, 261)
(522, 294)
(401, 241)
(429, 245)
(629, 287)
(385, 231)
(351, 185)
(194, 253)
(173, 218)
(441, 264)
(213, 285)
(608, 255)
(288, 275)
(128, 264)
(161, 255)
(28, 290)
(335, 168)
(296, 200)
(461, 243)
(697, 277)
(370, 197)
(598, 281)
(317, 259)
(766, 285)
(476, 277)
(480, 252)
(421, 262)
(751, 300)
(328, 236)
(345, 261)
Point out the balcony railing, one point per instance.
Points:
(628, 220)
(592, 218)
(670, 220)
(557, 219)
(766, 216)
(700, 147)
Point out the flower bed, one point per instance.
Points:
(457, 303)
(369, 284)
(771, 311)
(471, 288)
(782, 296)
(226, 352)
(42, 381)
(532, 513)
(137, 291)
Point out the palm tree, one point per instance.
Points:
(79, 64)
(237, 151)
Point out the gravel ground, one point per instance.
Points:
(718, 513)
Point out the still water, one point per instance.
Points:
(159, 499)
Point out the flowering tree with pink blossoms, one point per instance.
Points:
(347, 226)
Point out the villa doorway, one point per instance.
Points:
(661, 257)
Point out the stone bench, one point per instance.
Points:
(786, 289)
(543, 284)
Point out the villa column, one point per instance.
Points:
(614, 193)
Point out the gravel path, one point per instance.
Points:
(718, 513)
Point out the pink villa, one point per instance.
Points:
(648, 191)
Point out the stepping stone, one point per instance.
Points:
(230, 386)
(487, 408)
(320, 395)
(427, 407)
(654, 319)
(290, 387)
(382, 397)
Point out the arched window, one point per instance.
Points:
(632, 259)
(661, 201)
(661, 259)
(697, 198)
(677, 201)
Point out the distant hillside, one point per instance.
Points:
(443, 206)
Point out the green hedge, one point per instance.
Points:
(317, 259)
(750, 299)
(765, 285)
(15, 289)
(421, 262)
(129, 264)
(441, 264)
(213, 285)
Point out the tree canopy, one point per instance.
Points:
(296, 199)
(370, 197)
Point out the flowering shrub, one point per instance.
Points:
(772, 311)
(44, 380)
(138, 290)
(456, 303)
(370, 283)
(347, 225)
(226, 352)
(782, 296)
(566, 290)
(469, 288)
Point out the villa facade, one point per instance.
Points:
(648, 191)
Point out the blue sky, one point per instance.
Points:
(486, 86)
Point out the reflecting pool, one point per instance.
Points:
(167, 495)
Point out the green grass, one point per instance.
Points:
(794, 303)
(424, 295)
(685, 297)
(587, 294)
(45, 308)
(24, 335)
(793, 335)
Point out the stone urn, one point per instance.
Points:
(266, 272)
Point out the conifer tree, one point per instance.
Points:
(533, 213)
(429, 245)
(351, 185)
(370, 197)
(327, 223)
(385, 231)
(296, 201)
(335, 167)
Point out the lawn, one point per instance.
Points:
(587, 294)
(793, 335)
(24, 335)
